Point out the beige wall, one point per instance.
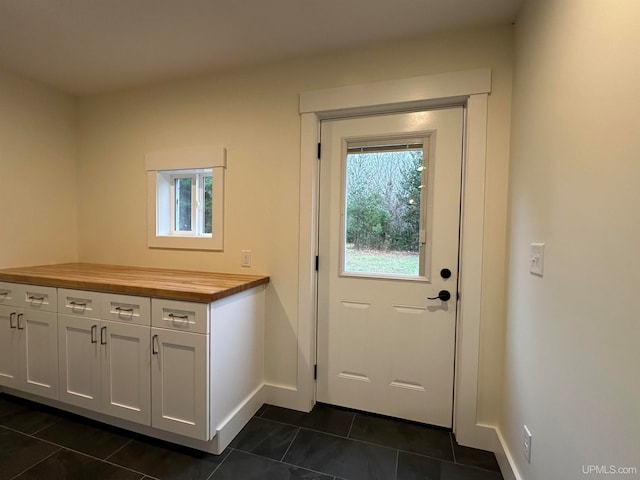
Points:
(37, 174)
(253, 113)
(572, 349)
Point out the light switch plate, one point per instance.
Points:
(246, 258)
(536, 259)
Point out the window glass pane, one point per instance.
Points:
(383, 211)
(183, 204)
(208, 203)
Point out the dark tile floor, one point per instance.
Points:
(38, 442)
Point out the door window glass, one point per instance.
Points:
(384, 205)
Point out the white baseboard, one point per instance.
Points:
(478, 436)
(231, 426)
(505, 459)
(286, 396)
(488, 437)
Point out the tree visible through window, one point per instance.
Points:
(383, 211)
(208, 204)
(191, 197)
(184, 204)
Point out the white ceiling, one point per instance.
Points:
(88, 46)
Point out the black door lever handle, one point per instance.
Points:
(443, 295)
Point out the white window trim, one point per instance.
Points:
(191, 158)
(470, 88)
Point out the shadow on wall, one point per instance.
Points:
(281, 341)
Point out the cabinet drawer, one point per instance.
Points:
(175, 315)
(127, 309)
(8, 294)
(79, 303)
(35, 297)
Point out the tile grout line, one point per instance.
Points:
(309, 429)
(397, 462)
(453, 449)
(220, 464)
(326, 474)
(465, 465)
(108, 462)
(58, 420)
(37, 463)
(63, 447)
(290, 444)
(288, 464)
(353, 420)
(118, 449)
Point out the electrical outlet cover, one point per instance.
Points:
(526, 443)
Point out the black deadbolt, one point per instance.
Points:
(445, 273)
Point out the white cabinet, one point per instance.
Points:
(189, 372)
(125, 371)
(9, 347)
(38, 352)
(29, 351)
(79, 361)
(104, 364)
(28, 339)
(180, 382)
(180, 367)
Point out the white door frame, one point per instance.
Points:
(469, 88)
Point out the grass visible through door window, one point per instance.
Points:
(394, 263)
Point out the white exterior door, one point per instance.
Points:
(388, 241)
(180, 382)
(126, 371)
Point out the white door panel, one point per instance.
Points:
(382, 345)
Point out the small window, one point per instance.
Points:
(190, 201)
(185, 205)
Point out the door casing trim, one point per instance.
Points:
(469, 88)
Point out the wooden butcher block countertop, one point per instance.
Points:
(184, 285)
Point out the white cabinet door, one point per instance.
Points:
(9, 347)
(78, 339)
(105, 367)
(126, 371)
(39, 352)
(180, 382)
